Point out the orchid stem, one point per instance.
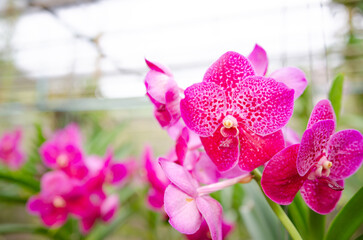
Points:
(289, 226)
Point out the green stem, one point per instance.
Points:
(317, 225)
(23, 181)
(289, 226)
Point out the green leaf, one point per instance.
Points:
(12, 199)
(335, 94)
(20, 179)
(350, 218)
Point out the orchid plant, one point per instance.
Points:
(231, 124)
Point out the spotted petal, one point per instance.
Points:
(294, 78)
(182, 210)
(323, 110)
(280, 179)
(202, 108)
(229, 70)
(313, 145)
(319, 196)
(255, 150)
(263, 105)
(345, 151)
(259, 61)
(211, 210)
(223, 151)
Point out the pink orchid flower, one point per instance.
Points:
(318, 166)
(10, 152)
(291, 137)
(157, 179)
(164, 94)
(293, 77)
(187, 208)
(101, 207)
(63, 151)
(105, 171)
(237, 114)
(59, 196)
(187, 204)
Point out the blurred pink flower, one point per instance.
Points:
(10, 152)
(59, 196)
(157, 180)
(318, 166)
(237, 114)
(63, 151)
(164, 93)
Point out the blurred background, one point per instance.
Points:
(82, 61)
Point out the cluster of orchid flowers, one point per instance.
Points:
(77, 184)
(233, 122)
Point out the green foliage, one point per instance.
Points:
(348, 220)
(336, 93)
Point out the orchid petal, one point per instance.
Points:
(109, 207)
(323, 110)
(55, 183)
(158, 81)
(205, 171)
(319, 196)
(179, 176)
(258, 59)
(313, 145)
(223, 151)
(211, 211)
(293, 78)
(280, 179)
(229, 70)
(202, 108)
(256, 150)
(291, 137)
(154, 172)
(155, 198)
(182, 210)
(118, 172)
(263, 104)
(345, 151)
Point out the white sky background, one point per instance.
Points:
(185, 35)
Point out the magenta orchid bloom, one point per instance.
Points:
(318, 166)
(157, 179)
(237, 114)
(63, 151)
(10, 152)
(293, 77)
(164, 94)
(106, 171)
(101, 207)
(186, 207)
(59, 196)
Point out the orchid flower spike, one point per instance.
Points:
(318, 166)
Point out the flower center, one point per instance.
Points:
(229, 128)
(229, 121)
(322, 168)
(62, 160)
(59, 202)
